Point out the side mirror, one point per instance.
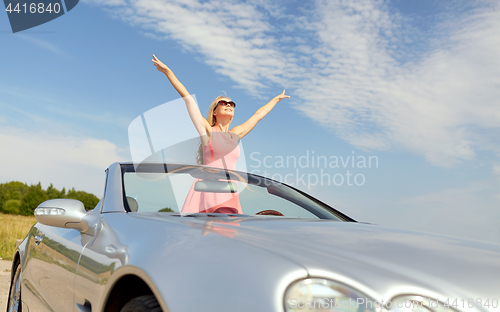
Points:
(64, 213)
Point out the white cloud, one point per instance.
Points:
(340, 60)
(470, 211)
(65, 161)
(103, 118)
(437, 107)
(230, 35)
(496, 169)
(33, 117)
(43, 44)
(106, 2)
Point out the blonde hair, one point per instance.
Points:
(212, 120)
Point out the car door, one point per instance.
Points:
(51, 264)
(103, 254)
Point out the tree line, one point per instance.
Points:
(21, 199)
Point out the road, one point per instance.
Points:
(4, 283)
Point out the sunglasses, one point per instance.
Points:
(225, 103)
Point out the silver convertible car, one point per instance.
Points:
(142, 248)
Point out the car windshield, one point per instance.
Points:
(192, 190)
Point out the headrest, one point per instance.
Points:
(132, 204)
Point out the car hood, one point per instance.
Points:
(380, 261)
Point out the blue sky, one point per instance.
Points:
(414, 83)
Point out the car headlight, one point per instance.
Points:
(317, 294)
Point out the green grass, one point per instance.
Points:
(13, 227)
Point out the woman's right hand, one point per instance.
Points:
(159, 65)
(200, 123)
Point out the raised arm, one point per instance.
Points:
(248, 125)
(199, 122)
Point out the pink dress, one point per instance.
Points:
(222, 151)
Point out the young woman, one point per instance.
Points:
(219, 145)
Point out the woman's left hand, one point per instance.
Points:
(282, 96)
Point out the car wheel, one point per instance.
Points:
(142, 304)
(14, 304)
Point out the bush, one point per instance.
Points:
(12, 190)
(19, 198)
(34, 197)
(12, 206)
(88, 200)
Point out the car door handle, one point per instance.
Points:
(38, 239)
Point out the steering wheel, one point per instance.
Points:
(270, 212)
(226, 210)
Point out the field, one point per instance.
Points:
(12, 227)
